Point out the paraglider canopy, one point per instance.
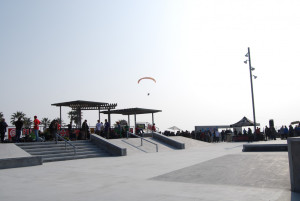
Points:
(147, 78)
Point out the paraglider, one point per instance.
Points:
(146, 78)
(150, 78)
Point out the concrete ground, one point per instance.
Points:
(219, 171)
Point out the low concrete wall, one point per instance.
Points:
(294, 162)
(169, 141)
(264, 147)
(109, 147)
(20, 162)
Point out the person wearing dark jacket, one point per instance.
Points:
(53, 129)
(19, 125)
(3, 126)
(85, 129)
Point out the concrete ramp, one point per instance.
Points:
(12, 156)
(190, 143)
(255, 170)
(133, 145)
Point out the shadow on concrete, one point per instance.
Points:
(295, 196)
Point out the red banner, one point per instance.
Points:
(12, 132)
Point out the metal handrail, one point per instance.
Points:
(142, 140)
(66, 141)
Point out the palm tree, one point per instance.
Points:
(73, 116)
(45, 122)
(1, 116)
(15, 116)
(123, 122)
(58, 120)
(27, 122)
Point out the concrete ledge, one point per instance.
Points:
(264, 147)
(109, 147)
(294, 162)
(20, 162)
(169, 141)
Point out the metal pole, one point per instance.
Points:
(135, 124)
(253, 107)
(79, 116)
(152, 122)
(109, 122)
(128, 123)
(99, 114)
(60, 115)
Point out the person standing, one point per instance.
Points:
(98, 127)
(85, 129)
(153, 128)
(106, 128)
(36, 123)
(3, 126)
(250, 135)
(53, 129)
(217, 136)
(19, 125)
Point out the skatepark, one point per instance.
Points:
(201, 171)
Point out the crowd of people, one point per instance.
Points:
(268, 133)
(120, 131)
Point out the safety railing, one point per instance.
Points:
(66, 142)
(128, 134)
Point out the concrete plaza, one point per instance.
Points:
(203, 171)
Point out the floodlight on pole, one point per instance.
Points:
(251, 69)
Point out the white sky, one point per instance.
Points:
(57, 51)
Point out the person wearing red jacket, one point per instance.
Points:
(36, 123)
(153, 128)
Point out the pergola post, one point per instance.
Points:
(129, 123)
(134, 124)
(60, 115)
(99, 113)
(109, 122)
(152, 121)
(79, 115)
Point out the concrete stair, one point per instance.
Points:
(50, 151)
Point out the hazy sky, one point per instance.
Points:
(57, 51)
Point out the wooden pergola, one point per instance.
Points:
(133, 111)
(80, 105)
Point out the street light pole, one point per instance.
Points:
(251, 69)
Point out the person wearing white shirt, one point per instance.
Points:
(217, 136)
(98, 127)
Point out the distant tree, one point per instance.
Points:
(58, 120)
(1, 116)
(73, 116)
(15, 116)
(27, 122)
(123, 122)
(45, 122)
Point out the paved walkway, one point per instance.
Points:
(202, 171)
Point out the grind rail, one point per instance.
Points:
(129, 133)
(66, 142)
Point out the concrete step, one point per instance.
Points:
(53, 159)
(71, 154)
(56, 146)
(50, 151)
(264, 147)
(29, 144)
(62, 151)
